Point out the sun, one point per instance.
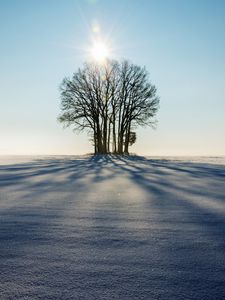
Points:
(99, 51)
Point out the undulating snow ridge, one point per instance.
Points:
(110, 227)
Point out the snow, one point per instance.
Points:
(109, 227)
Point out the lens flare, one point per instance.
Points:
(100, 51)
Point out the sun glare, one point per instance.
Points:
(100, 51)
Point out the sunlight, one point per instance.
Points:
(100, 51)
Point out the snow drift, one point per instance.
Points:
(107, 227)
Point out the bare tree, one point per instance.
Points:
(109, 100)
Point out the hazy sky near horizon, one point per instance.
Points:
(181, 43)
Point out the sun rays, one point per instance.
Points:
(100, 51)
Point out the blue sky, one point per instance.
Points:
(181, 43)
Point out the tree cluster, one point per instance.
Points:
(109, 100)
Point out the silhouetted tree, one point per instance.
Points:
(109, 100)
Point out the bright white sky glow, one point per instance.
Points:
(100, 51)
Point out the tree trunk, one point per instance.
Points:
(99, 138)
(105, 135)
(119, 131)
(114, 134)
(127, 139)
(109, 133)
(95, 143)
(120, 142)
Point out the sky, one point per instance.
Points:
(181, 43)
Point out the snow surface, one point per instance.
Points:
(110, 227)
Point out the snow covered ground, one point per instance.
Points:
(106, 227)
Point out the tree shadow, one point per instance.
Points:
(81, 239)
